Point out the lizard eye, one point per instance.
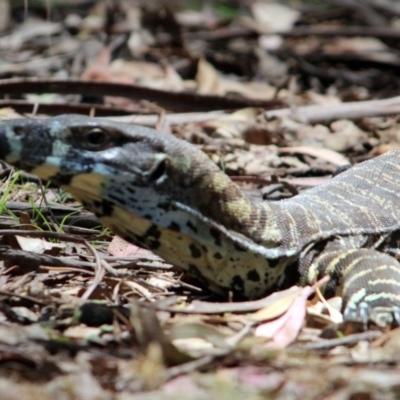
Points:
(95, 139)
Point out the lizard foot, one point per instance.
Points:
(382, 317)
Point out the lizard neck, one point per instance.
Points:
(221, 200)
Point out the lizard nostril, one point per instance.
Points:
(19, 130)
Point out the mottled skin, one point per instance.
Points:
(164, 194)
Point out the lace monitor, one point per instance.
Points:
(164, 194)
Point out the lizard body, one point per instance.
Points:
(165, 195)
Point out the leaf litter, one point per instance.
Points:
(279, 95)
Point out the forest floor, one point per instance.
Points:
(280, 96)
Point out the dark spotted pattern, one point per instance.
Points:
(216, 236)
(273, 263)
(218, 256)
(191, 227)
(194, 251)
(150, 239)
(105, 208)
(253, 276)
(174, 227)
(62, 179)
(238, 247)
(237, 285)
(117, 198)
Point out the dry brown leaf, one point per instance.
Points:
(17, 334)
(210, 81)
(284, 330)
(29, 29)
(275, 309)
(119, 247)
(233, 125)
(325, 310)
(25, 314)
(9, 113)
(160, 283)
(274, 16)
(37, 245)
(322, 99)
(147, 74)
(383, 148)
(345, 135)
(197, 336)
(82, 332)
(205, 18)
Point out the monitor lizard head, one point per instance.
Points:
(95, 157)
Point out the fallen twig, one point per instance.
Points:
(350, 110)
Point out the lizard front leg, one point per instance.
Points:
(366, 279)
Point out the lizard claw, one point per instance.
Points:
(363, 313)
